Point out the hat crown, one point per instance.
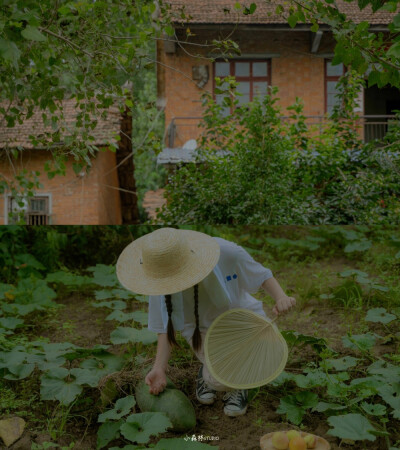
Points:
(165, 253)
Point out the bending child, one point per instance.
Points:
(192, 278)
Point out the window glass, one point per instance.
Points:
(260, 88)
(334, 71)
(222, 69)
(38, 205)
(331, 99)
(225, 110)
(242, 69)
(259, 69)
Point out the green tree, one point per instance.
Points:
(52, 50)
(369, 52)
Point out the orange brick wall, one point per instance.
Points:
(75, 200)
(296, 72)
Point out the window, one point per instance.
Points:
(35, 211)
(253, 77)
(332, 75)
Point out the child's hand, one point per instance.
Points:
(156, 380)
(283, 304)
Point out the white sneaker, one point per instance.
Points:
(204, 394)
(235, 403)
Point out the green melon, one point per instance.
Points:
(171, 401)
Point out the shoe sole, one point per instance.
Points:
(203, 401)
(235, 413)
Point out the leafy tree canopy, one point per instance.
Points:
(370, 52)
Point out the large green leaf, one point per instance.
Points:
(351, 426)
(295, 406)
(122, 407)
(120, 316)
(115, 304)
(103, 364)
(106, 294)
(341, 363)
(67, 278)
(108, 432)
(65, 391)
(373, 409)
(33, 34)
(123, 335)
(358, 246)
(359, 341)
(104, 275)
(139, 427)
(379, 315)
(10, 322)
(9, 51)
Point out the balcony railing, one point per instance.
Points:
(370, 127)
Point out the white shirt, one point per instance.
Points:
(228, 286)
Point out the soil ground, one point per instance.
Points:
(82, 324)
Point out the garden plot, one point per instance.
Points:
(75, 345)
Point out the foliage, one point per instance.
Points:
(370, 52)
(53, 51)
(253, 167)
(350, 389)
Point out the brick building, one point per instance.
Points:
(103, 195)
(295, 60)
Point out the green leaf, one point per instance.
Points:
(9, 51)
(86, 376)
(379, 315)
(341, 363)
(373, 409)
(115, 304)
(66, 278)
(139, 427)
(105, 294)
(10, 322)
(359, 341)
(295, 406)
(33, 34)
(108, 432)
(292, 20)
(323, 406)
(353, 272)
(122, 407)
(52, 388)
(19, 372)
(120, 316)
(358, 246)
(104, 275)
(394, 50)
(123, 335)
(351, 426)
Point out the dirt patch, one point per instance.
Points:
(84, 325)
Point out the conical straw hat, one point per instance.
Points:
(244, 350)
(167, 261)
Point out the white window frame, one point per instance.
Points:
(8, 196)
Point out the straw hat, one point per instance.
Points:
(167, 261)
(244, 350)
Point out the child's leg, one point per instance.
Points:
(208, 378)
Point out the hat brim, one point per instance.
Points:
(203, 258)
(244, 350)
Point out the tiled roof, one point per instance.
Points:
(224, 12)
(18, 135)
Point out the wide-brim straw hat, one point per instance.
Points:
(167, 261)
(244, 350)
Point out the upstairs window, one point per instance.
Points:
(332, 75)
(253, 77)
(35, 210)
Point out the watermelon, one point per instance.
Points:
(171, 401)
